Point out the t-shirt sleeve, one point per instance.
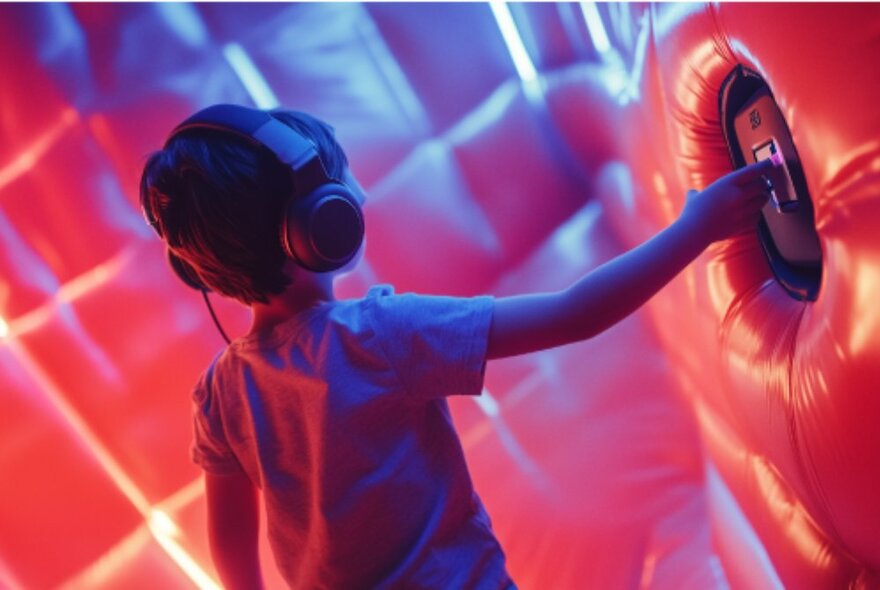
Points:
(210, 448)
(436, 345)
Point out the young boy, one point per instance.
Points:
(336, 409)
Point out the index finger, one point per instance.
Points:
(752, 172)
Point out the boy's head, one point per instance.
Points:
(221, 200)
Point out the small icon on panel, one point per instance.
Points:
(755, 118)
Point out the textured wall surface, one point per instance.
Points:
(724, 436)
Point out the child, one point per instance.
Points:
(335, 409)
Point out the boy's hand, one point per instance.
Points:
(730, 205)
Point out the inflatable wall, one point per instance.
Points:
(724, 436)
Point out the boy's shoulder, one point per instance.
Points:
(205, 381)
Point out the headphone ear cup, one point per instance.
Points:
(186, 273)
(325, 229)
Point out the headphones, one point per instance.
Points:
(322, 227)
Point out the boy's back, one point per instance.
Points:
(339, 415)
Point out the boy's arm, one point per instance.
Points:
(233, 528)
(611, 292)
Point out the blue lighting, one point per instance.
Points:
(521, 60)
(595, 27)
(26, 263)
(250, 77)
(184, 20)
(639, 59)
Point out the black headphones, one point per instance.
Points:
(323, 225)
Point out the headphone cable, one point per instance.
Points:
(214, 316)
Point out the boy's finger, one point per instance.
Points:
(759, 197)
(753, 188)
(749, 173)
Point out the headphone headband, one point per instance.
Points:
(260, 128)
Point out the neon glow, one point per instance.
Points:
(521, 60)
(402, 90)
(29, 156)
(73, 289)
(164, 530)
(595, 27)
(99, 574)
(484, 115)
(509, 440)
(184, 20)
(734, 517)
(507, 152)
(488, 404)
(82, 430)
(160, 524)
(250, 77)
(569, 239)
(635, 76)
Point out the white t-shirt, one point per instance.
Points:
(339, 416)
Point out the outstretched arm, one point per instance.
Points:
(233, 527)
(608, 294)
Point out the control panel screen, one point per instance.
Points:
(781, 191)
(764, 151)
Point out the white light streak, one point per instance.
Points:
(250, 77)
(161, 524)
(164, 530)
(569, 238)
(82, 429)
(635, 76)
(184, 20)
(103, 571)
(595, 27)
(162, 527)
(401, 89)
(31, 154)
(515, 450)
(521, 60)
(488, 404)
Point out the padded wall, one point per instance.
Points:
(481, 178)
(784, 389)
